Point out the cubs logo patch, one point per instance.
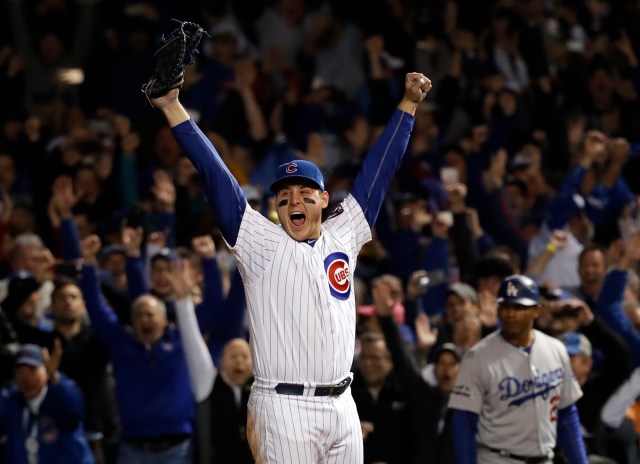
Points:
(48, 432)
(167, 346)
(336, 265)
(291, 168)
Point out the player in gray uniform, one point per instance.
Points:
(515, 393)
(298, 278)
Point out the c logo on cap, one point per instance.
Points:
(291, 168)
(337, 267)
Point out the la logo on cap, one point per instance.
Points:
(512, 290)
(291, 168)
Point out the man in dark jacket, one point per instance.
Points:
(382, 406)
(229, 405)
(432, 440)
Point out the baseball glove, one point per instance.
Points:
(175, 53)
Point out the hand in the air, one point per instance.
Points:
(170, 97)
(417, 85)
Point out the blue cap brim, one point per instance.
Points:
(27, 362)
(280, 183)
(518, 301)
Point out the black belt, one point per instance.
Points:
(335, 389)
(517, 457)
(155, 444)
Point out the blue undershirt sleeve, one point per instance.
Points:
(377, 170)
(226, 199)
(570, 436)
(465, 427)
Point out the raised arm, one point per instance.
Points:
(137, 284)
(63, 200)
(103, 319)
(223, 192)
(199, 363)
(403, 364)
(164, 192)
(212, 295)
(384, 156)
(461, 232)
(615, 409)
(609, 305)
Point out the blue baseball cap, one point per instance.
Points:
(518, 289)
(576, 343)
(29, 354)
(109, 250)
(297, 169)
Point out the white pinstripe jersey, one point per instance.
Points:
(516, 394)
(299, 297)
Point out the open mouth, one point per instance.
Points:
(297, 219)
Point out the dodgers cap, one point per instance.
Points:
(297, 169)
(518, 289)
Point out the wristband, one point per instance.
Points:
(551, 248)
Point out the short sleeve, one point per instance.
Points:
(256, 245)
(348, 219)
(468, 393)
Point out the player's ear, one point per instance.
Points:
(324, 196)
(536, 312)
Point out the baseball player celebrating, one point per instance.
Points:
(298, 279)
(515, 392)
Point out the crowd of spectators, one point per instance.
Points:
(525, 158)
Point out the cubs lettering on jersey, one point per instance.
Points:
(337, 267)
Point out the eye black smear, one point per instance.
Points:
(282, 203)
(311, 201)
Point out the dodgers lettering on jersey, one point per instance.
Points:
(516, 394)
(299, 298)
(517, 391)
